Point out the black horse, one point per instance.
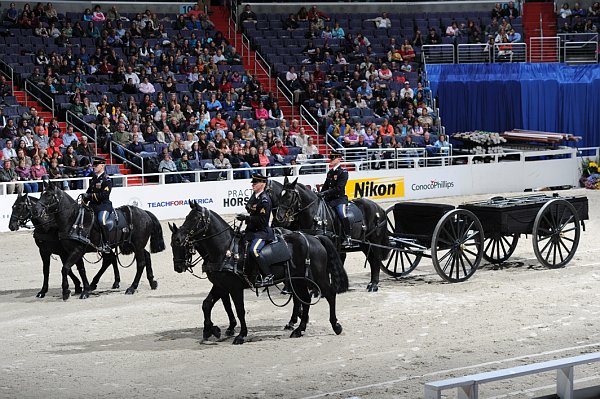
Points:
(219, 245)
(57, 210)
(48, 244)
(301, 208)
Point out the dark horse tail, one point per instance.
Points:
(157, 242)
(335, 267)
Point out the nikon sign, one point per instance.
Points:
(376, 188)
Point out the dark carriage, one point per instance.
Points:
(457, 238)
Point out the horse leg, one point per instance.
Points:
(149, 273)
(331, 297)
(207, 305)
(302, 292)
(117, 283)
(297, 307)
(96, 279)
(140, 258)
(237, 295)
(46, 269)
(86, 286)
(375, 265)
(232, 321)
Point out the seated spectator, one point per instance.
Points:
(8, 175)
(511, 11)
(263, 158)
(37, 169)
(146, 87)
(23, 172)
(386, 129)
(452, 30)
(433, 37)
(261, 112)
(382, 22)
(167, 165)
(565, 11)
(8, 152)
(350, 139)
(248, 15)
(594, 10)
(337, 32)
(238, 162)
(12, 15)
(184, 165)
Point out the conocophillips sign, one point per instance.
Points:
(376, 188)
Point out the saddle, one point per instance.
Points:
(353, 213)
(117, 227)
(275, 252)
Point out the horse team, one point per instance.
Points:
(308, 229)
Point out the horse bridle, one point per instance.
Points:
(22, 220)
(289, 214)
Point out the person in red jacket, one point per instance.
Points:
(279, 151)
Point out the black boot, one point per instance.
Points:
(347, 233)
(265, 271)
(104, 245)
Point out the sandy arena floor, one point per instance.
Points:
(412, 331)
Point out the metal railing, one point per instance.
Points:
(579, 48)
(125, 160)
(287, 94)
(9, 71)
(510, 52)
(478, 53)
(232, 25)
(544, 49)
(245, 47)
(310, 121)
(438, 54)
(82, 126)
(264, 65)
(37, 93)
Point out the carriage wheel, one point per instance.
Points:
(497, 248)
(457, 245)
(401, 262)
(390, 221)
(556, 233)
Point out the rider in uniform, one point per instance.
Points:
(334, 192)
(98, 197)
(258, 231)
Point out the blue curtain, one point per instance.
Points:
(499, 97)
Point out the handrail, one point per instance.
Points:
(93, 136)
(287, 94)
(264, 66)
(10, 74)
(305, 114)
(124, 159)
(29, 85)
(580, 45)
(246, 45)
(232, 25)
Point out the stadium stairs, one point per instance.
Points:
(25, 99)
(220, 16)
(539, 20)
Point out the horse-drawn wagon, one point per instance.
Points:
(457, 238)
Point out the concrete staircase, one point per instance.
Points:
(25, 99)
(220, 16)
(539, 20)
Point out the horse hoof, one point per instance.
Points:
(78, 290)
(230, 332)
(288, 327)
(296, 334)
(84, 295)
(115, 286)
(40, 294)
(337, 329)
(216, 331)
(130, 291)
(372, 287)
(238, 340)
(93, 287)
(66, 294)
(154, 285)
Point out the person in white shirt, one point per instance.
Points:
(133, 76)
(146, 87)
(9, 152)
(382, 22)
(218, 57)
(406, 89)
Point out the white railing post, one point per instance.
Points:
(564, 383)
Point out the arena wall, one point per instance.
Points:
(532, 171)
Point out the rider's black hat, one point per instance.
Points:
(335, 154)
(99, 161)
(258, 178)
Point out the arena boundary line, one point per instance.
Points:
(434, 373)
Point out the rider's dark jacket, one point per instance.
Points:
(334, 189)
(100, 189)
(257, 223)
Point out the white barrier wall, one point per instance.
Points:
(229, 196)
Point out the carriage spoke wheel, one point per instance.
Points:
(457, 245)
(497, 248)
(400, 262)
(556, 233)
